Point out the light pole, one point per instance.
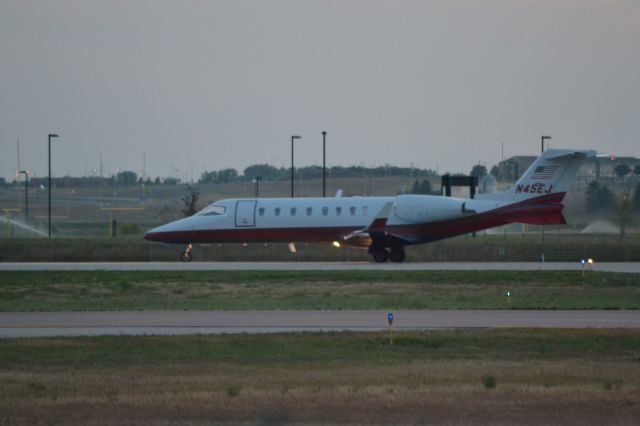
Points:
(50, 136)
(542, 138)
(292, 169)
(542, 142)
(26, 194)
(324, 164)
(257, 182)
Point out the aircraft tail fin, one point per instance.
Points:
(551, 173)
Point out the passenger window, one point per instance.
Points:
(261, 211)
(309, 211)
(277, 211)
(338, 211)
(365, 211)
(293, 211)
(352, 211)
(325, 211)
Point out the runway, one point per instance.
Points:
(628, 267)
(42, 324)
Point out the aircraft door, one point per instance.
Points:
(246, 213)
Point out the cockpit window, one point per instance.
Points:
(213, 210)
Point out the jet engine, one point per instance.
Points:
(429, 208)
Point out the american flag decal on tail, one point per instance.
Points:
(544, 172)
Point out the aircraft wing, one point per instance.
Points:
(377, 225)
(376, 229)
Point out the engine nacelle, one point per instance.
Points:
(429, 208)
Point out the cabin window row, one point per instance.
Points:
(293, 211)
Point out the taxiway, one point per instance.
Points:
(38, 324)
(628, 267)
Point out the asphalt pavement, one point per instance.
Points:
(38, 324)
(628, 267)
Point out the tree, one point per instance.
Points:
(624, 213)
(600, 199)
(171, 181)
(425, 188)
(422, 188)
(636, 199)
(208, 177)
(3, 182)
(227, 175)
(416, 187)
(622, 170)
(126, 178)
(190, 202)
(265, 171)
(478, 170)
(495, 172)
(636, 170)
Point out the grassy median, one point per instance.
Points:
(490, 376)
(270, 290)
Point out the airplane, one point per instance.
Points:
(384, 225)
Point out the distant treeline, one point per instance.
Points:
(121, 179)
(268, 172)
(265, 172)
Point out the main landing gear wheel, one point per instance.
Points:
(397, 254)
(186, 256)
(380, 256)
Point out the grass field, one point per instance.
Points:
(499, 376)
(265, 290)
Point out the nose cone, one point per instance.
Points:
(174, 232)
(159, 233)
(152, 235)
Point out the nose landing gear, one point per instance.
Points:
(186, 256)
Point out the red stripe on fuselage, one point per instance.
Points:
(258, 235)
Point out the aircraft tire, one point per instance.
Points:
(397, 254)
(380, 256)
(186, 256)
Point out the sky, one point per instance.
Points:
(204, 85)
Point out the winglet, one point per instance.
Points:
(377, 225)
(380, 221)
